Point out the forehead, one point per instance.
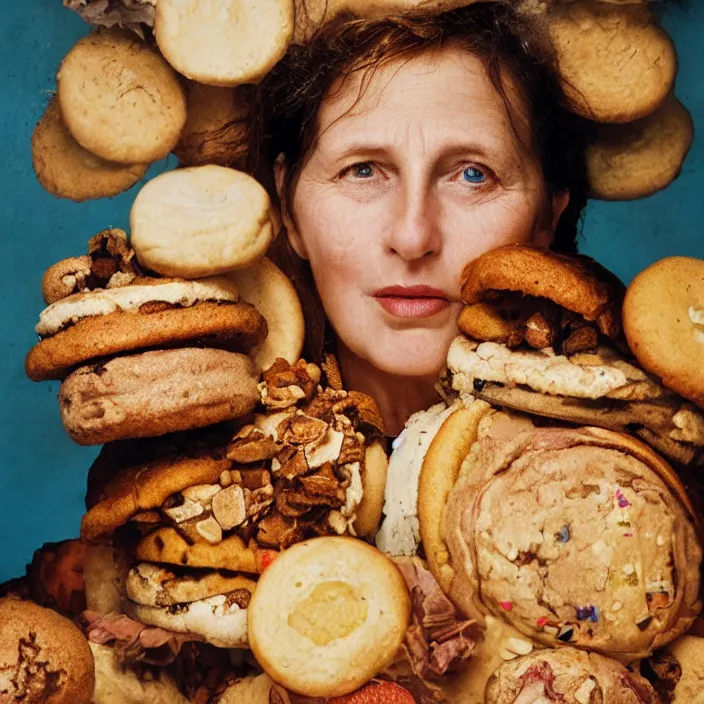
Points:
(447, 87)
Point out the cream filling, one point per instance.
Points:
(129, 298)
(540, 370)
(399, 534)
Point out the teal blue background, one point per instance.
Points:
(42, 473)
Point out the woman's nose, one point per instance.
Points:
(415, 232)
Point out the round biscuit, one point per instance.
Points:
(316, 610)
(663, 318)
(120, 99)
(200, 221)
(223, 42)
(157, 392)
(44, 657)
(269, 290)
(639, 158)
(236, 326)
(438, 475)
(616, 63)
(67, 170)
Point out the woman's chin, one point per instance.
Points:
(410, 361)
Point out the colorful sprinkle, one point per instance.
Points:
(564, 535)
(587, 613)
(623, 502)
(266, 558)
(506, 605)
(628, 535)
(541, 621)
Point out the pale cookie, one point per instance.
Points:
(640, 158)
(67, 170)
(316, 610)
(202, 220)
(120, 99)
(617, 64)
(223, 42)
(269, 290)
(216, 130)
(689, 653)
(663, 318)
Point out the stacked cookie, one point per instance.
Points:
(541, 497)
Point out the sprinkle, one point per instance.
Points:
(565, 635)
(506, 605)
(628, 535)
(660, 541)
(564, 535)
(587, 613)
(267, 557)
(541, 621)
(616, 606)
(623, 502)
(628, 569)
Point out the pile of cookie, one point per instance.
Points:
(180, 81)
(224, 455)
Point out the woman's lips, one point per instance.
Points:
(412, 301)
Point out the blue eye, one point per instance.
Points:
(473, 175)
(362, 170)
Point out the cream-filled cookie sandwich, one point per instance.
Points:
(541, 333)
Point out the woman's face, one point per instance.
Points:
(403, 188)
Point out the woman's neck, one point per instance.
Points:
(397, 396)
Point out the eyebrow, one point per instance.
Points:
(344, 150)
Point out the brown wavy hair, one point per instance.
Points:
(515, 52)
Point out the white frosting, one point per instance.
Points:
(540, 370)
(129, 298)
(399, 534)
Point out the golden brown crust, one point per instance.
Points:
(438, 475)
(146, 486)
(660, 311)
(640, 158)
(574, 282)
(44, 658)
(616, 63)
(120, 99)
(236, 326)
(369, 511)
(167, 545)
(67, 170)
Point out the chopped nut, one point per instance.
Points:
(210, 530)
(582, 339)
(229, 507)
(538, 332)
(274, 529)
(225, 478)
(506, 654)
(268, 423)
(183, 510)
(236, 476)
(258, 501)
(296, 466)
(202, 493)
(301, 429)
(326, 449)
(337, 522)
(252, 445)
(254, 478)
